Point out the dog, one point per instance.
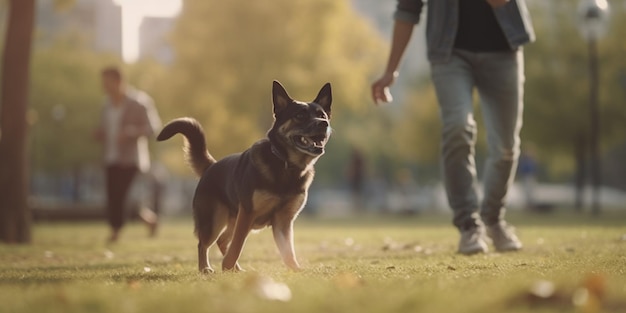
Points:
(265, 185)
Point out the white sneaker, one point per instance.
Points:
(473, 241)
(503, 236)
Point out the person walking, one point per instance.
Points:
(471, 45)
(128, 119)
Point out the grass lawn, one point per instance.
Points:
(369, 264)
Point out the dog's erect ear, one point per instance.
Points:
(280, 97)
(325, 98)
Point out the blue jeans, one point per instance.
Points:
(499, 78)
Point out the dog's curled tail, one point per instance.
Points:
(196, 152)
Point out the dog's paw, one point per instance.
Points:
(207, 270)
(293, 265)
(236, 269)
(296, 269)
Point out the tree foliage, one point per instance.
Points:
(228, 53)
(557, 86)
(66, 100)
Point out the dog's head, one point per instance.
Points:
(301, 129)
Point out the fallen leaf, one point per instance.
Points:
(543, 289)
(596, 284)
(108, 254)
(266, 288)
(349, 242)
(134, 284)
(348, 280)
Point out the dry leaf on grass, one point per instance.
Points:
(589, 297)
(266, 288)
(348, 280)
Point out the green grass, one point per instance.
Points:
(373, 264)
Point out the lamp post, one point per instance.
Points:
(593, 15)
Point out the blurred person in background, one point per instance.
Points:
(356, 179)
(471, 44)
(128, 120)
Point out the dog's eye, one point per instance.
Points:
(321, 114)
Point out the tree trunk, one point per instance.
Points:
(15, 216)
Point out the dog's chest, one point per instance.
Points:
(266, 204)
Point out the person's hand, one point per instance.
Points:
(497, 3)
(380, 88)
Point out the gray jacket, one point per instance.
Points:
(139, 121)
(442, 23)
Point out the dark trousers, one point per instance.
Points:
(118, 182)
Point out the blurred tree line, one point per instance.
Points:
(228, 52)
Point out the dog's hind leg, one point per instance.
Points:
(208, 232)
(225, 238)
(203, 256)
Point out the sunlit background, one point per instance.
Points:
(137, 12)
(215, 61)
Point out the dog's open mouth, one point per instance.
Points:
(313, 145)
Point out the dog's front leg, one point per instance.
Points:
(282, 229)
(242, 228)
(224, 241)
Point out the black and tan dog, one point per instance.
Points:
(265, 185)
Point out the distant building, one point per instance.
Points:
(99, 24)
(153, 39)
(108, 26)
(96, 23)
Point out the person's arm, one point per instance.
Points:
(139, 121)
(147, 121)
(406, 16)
(402, 32)
(154, 120)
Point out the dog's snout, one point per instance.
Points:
(322, 123)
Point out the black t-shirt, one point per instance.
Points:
(478, 29)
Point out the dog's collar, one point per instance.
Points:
(281, 157)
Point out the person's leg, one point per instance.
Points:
(151, 216)
(500, 79)
(454, 83)
(112, 201)
(119, 179)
